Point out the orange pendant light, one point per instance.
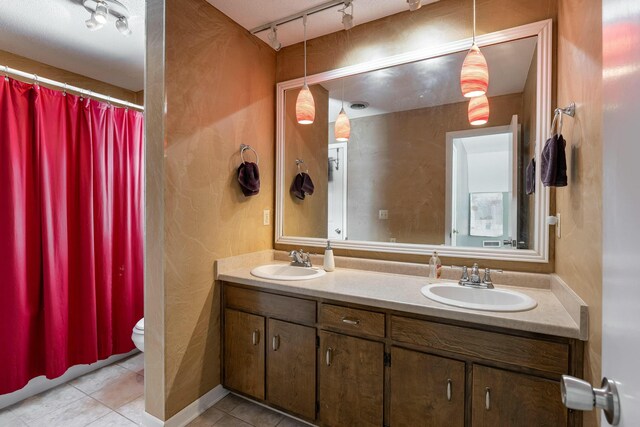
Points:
(342, 129)
(305, 106)
(474, 76)
(478, 110)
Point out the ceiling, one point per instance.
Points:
(254, 13)
(53, 32)
(431, 82)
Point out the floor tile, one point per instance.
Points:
(7, 419)
(97, 380)
(256, 415)
(112, 419)
(228, 403)
(133, 410)
(134, 363)
(229, 421)
(77, 414)
(208, 418)
(120, 390)
(290, 422)
(44, 403)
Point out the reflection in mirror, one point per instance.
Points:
(414, 170)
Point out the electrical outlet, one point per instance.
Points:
(383, 214)
(266, 217)
(392, 240)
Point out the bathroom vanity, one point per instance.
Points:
(360, 348)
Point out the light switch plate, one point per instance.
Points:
(383, 214)
(558, 230)
(266, 217)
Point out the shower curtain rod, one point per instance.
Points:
(83, 92)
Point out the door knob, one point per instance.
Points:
(579, 394)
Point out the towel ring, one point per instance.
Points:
(245, 147)
(298, 163)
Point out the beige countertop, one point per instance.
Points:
(559, 311)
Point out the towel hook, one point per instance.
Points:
(558, 115)
(298, 163)
(245, 147)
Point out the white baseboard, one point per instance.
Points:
(189, 413)
(40, 384)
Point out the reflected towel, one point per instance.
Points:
(249, 178)
(553, 167)
(530, 177)
(302, 186)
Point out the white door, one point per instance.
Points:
(621, 215)
(337, 192)
(621, 203)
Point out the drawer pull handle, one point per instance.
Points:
(275, 343)
(350, 321)
(449, 390)
(487, 398)
(255, 337)
(328, 356)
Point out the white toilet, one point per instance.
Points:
(138, 334)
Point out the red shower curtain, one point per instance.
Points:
(71, 251)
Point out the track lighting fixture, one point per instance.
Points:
(414, 4)
(100, 11)
(347, 18)
(273, 38)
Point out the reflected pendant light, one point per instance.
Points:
(342, 129)
(478, 110)
(305, 106)
(474, 76)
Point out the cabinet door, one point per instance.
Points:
(426, 390)
(503, 398)
(244, 352)
(351, 381)
(291, 367)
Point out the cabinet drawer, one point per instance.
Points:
(281, 307)
(352, 320)
(527, 352)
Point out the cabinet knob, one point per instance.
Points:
(487, 398)
(449, 390)
(328, 356)
(255, 337)
(275, 342)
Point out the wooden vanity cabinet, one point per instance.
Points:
(244, 352)
(351, 377)
(425, 390)
(503, 398)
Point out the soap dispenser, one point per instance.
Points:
(329, 262)
(435, 266)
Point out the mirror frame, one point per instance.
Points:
(540, 251)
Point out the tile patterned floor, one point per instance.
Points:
(113, 397)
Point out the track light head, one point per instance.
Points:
(123, 26)
(414, 4)
(347, 18)
(273, 39)
(101, 12)
(92, 24)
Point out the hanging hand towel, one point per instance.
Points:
(249, 178)
(302, 186)
(553, 168)
(530, 177)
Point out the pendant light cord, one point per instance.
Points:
(343, 93)
(304, 22)
(474, 21)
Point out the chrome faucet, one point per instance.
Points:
(300, 258)
(473, 280)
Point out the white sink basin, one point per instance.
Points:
(479, 299)
(287, 272)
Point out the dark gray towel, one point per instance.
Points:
(553, 167)
(249, 178)
(302, 186)
(530, 177)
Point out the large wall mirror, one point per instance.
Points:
(414, 175)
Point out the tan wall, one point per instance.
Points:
(309, 143)
(30, 66)
(579, 250)
(397, 162)
(433, 24)
(219, 86)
